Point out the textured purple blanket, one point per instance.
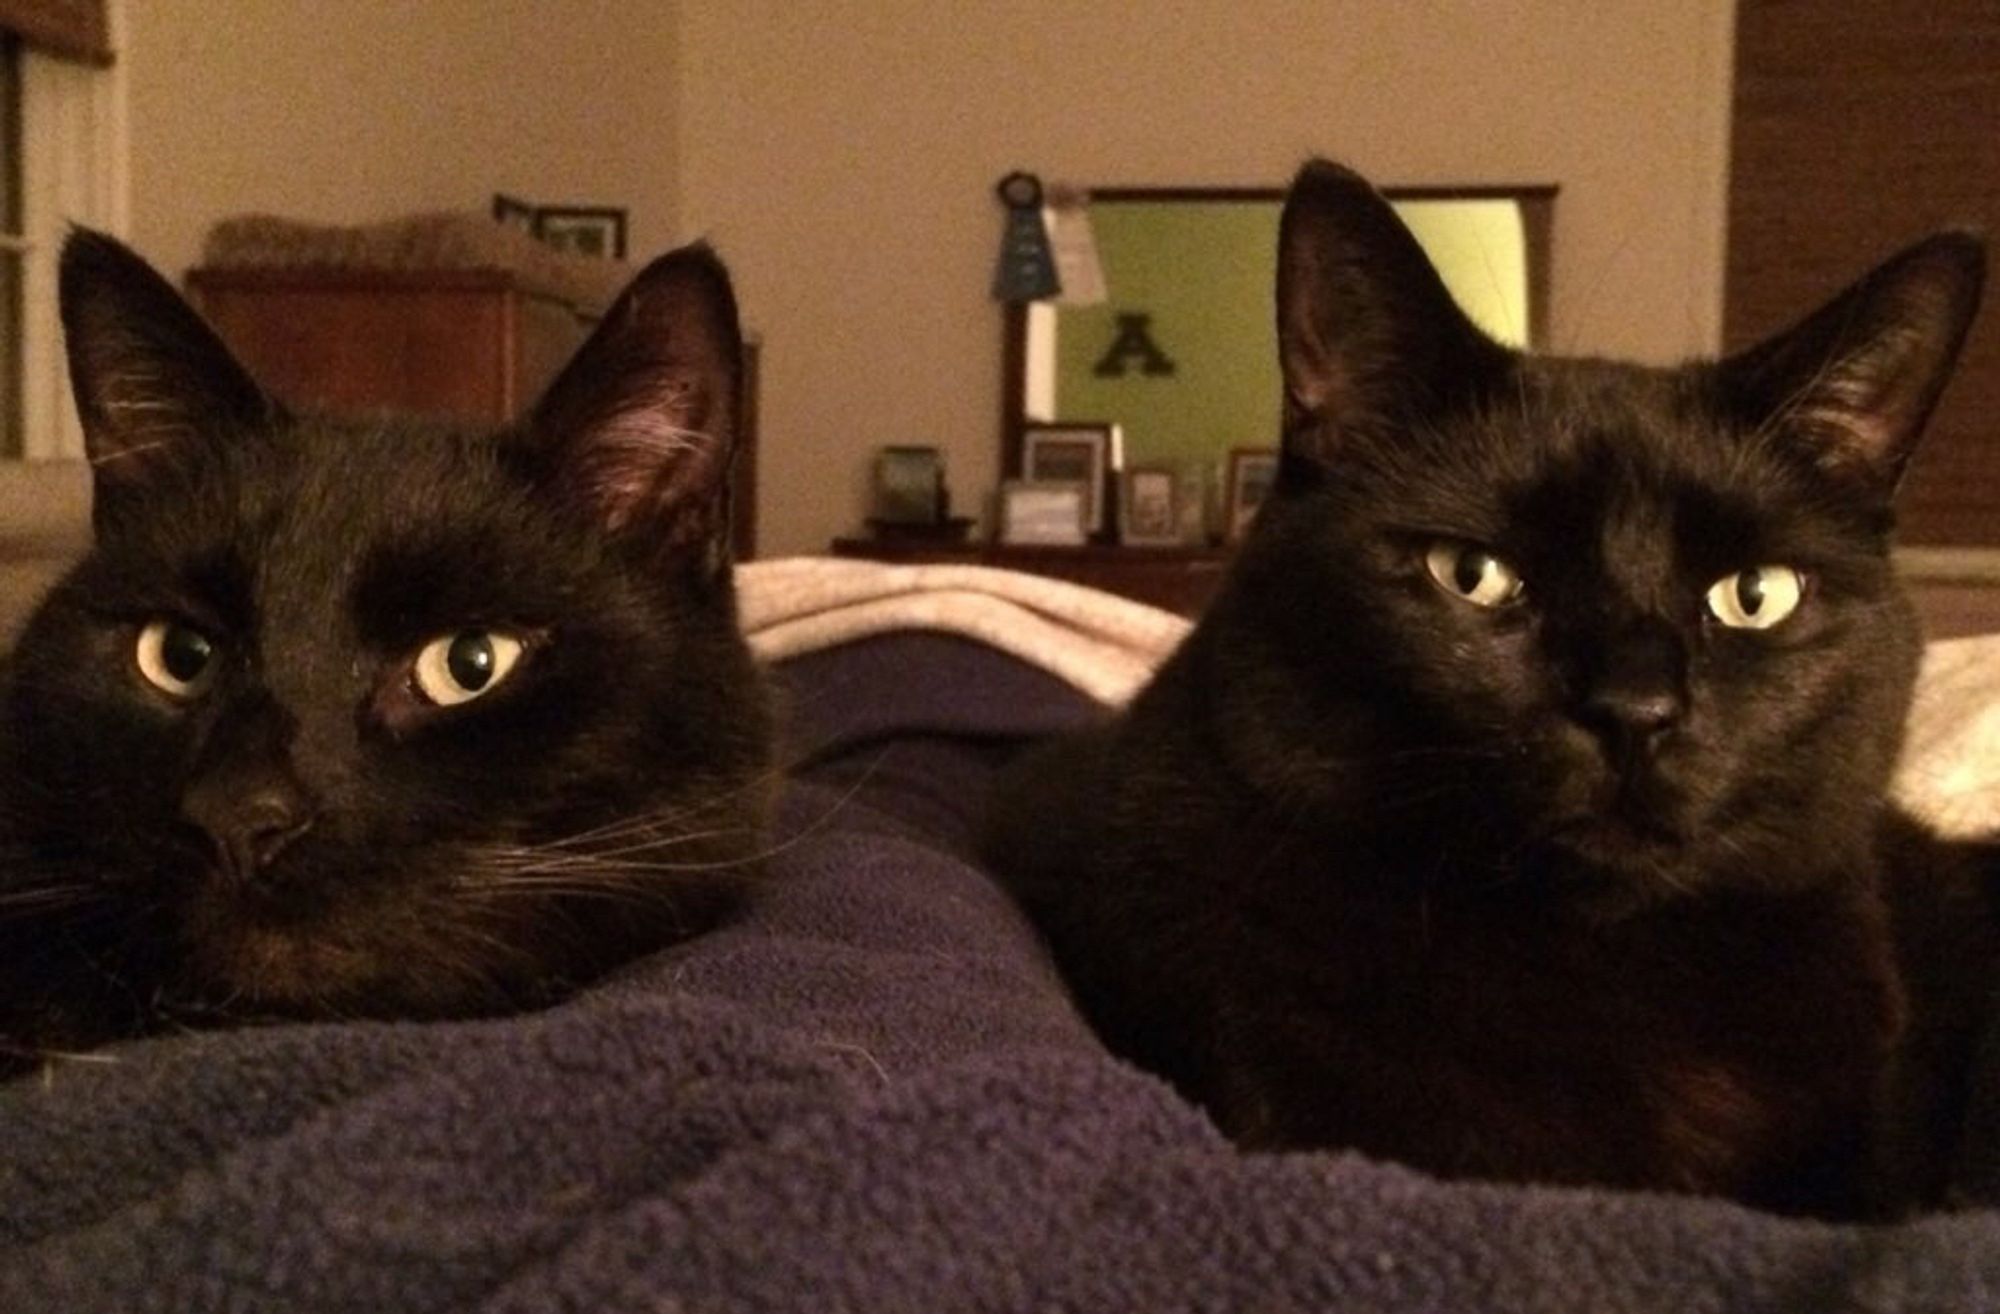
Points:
(869, 1093)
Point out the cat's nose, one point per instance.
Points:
(1638, 694)
(1633, 716)
(251, 826)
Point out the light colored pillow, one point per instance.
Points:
(1950, 772)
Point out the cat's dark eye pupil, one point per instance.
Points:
(1750, 591)
(471, 661)
(184, 653)
(1470, 570)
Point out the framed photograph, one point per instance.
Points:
(1252, 471)
(909, 485)
(1046, 514)
(513, 212)
(1151, 514)
(1077, 453)
(583, 230)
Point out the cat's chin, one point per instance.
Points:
(329, 935)
(260, 954)
(1616, 865)
(1616, 841)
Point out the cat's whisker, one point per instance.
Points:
(550, 888)
(613, 830)
(227, 1004)
(622, 864)
(49, 896)
(48, 1059)
(611, 869)
(1594, 299)
(705, 802)
(606, 873)
(555, 855)
(100, 461)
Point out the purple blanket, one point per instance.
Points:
(869, 1093)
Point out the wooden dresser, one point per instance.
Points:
(467, 344)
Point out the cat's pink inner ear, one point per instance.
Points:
(1862, 374)
(1313, 331)
(1866, 402)
(1369, 337)
(654, 460)
(141, 421)
(642, 460)
(637, 431)
(151, 380)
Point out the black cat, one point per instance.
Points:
(375, 718)
(1517, 808)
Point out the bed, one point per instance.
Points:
(870, 1091)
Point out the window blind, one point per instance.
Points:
(1859, 127)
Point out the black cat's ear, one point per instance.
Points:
(1369, 339)
(1857, 379)
(153, 383)
(639, 429)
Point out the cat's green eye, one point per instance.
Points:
(1468, 571)
(457, 668)
(1757, 598)
(174, 658)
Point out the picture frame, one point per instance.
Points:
(513, 212)
(587, 230)
(1252, 471)
(1042, 514)
(909, 486)
(1074, 452)
(1150, 510)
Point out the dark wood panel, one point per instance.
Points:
(440, 345)
(1858, 127)
(1955, 609)
(74, 29)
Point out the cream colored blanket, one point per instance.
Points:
(1108, 646)
(1105, 645)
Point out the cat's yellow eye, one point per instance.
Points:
(1468, 571)
(174, 658)
(457, 668)
(1757, 598)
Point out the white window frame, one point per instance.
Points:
(75, 153)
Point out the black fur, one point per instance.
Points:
(309, 834)
(1585, 887)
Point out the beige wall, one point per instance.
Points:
(841, 156)
(351, 110)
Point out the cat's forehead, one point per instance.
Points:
(1602, 418)
(382, 473)
(1585, 459)
(1605, 435)
(290, 528)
